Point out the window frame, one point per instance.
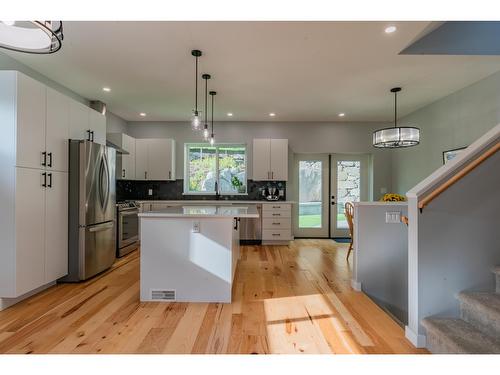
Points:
(186, 190)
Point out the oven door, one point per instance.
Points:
(128, 227)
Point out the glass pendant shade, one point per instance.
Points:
(396, 137)
(206, 133)
(38, 37)
(212, 140)
(195, 121)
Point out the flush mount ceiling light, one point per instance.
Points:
(212, 136)
(206, 133)
(390, 29)
(195, 119)
(37, 37)
(397, 136)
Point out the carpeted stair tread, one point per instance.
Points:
(452, 335)
(484, 300)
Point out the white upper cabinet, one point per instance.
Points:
(141, 159)
(57, 131)
(279, 159)
(125, 164)
(97, 126)
(270, 159)
(261, 159)
(161, 155)
(155, 159)
(79, 121)
(30, 105)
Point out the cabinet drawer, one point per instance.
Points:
(276, 214)
(276, 207)
(276, 234)
(281, 223)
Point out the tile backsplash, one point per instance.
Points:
(172, 190)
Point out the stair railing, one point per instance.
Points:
(455, 178)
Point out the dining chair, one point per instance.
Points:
(349, 214)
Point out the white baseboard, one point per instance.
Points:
(8, 302)
(417, 340)
(356, 285)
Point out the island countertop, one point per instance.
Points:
(201, 211)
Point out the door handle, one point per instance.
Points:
(50, 159)
(50, 180)
(333, 200)
(44, 184)
(44, 159)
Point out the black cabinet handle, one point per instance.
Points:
(50, 180)
(88, 138)
(92, 133)
(44, 162)
(145, 175)
(236, 220)
(44, 174)
(50, 159)
(123, 173)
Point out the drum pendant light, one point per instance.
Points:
(37, 37)
(206, 77)
(195, 119)
(397, 136)
(212, 135)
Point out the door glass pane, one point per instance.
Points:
(310, 194)
(348, 188)
(232, 173)
(202, 174)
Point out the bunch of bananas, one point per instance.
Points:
(393, 198)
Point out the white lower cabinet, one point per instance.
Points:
(29, 231)
(56, 226)
(276, 222)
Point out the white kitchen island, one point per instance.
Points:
(189, 253)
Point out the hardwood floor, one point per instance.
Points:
(286, 299)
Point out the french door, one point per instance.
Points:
(324, 183)
(349, 183)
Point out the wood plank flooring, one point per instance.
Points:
(286, 299)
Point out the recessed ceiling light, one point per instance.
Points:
(107, 89)
(230, 114)
(390, 29)
(272, 114)
(142, 114)
(341, 114)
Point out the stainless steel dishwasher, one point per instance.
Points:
(251, 229)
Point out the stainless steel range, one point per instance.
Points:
(128, 228)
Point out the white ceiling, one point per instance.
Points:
(303, 71)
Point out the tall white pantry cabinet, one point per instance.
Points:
(36, 124)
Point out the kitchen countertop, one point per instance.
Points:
(213, 202)
(207, 211)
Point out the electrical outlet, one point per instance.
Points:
(196, 227)
(392, 217)
(150, 191)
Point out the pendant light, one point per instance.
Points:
(195, 119)
(206, 134)
(38, 37)
(212, 135)
(397, 136)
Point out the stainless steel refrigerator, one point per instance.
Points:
(92, 224)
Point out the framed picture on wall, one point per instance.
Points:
(451, 154)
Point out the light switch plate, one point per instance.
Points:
(393, 217)
(196, 227)
(150, 191)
